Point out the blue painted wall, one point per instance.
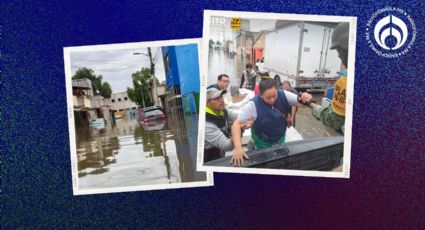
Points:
(183, 70)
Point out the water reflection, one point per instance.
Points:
(219, 63)
(129, 154)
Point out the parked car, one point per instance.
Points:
(154, 125)
(98, 123)
(151, 113)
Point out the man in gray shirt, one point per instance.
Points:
(218, 123)
(248, 78)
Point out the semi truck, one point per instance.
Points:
(299, 52)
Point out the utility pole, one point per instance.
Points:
(141, 89)
(154, 91)
(152, 70)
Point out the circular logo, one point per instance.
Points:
(390, 32)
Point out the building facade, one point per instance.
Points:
(121, 102)
(86, 105)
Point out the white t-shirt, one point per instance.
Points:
(250, 111)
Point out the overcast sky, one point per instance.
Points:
(116, 66)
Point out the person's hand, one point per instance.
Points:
(306, 97)
(238, 156)
(289, 121)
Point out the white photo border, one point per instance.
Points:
(345, 173)
(72, 138)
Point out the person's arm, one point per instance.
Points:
(215, 137)
(326, 115)
(294, 108)
(242, 80)
(291, 117)
(294, 112)
(238, 152)
(292, 98)
(307, 100)
(318, 110)
(246, 117)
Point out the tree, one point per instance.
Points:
(99, 88)
(135, 93)
(106, 90)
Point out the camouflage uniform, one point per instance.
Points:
(334, 115)
(328, 117)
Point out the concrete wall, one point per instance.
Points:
(84, 83)
(121, 101)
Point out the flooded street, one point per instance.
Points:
(306, 124)
(219, 63)
(131, 154)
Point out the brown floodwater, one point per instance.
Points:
(130, 154)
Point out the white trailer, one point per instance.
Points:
(299, 52)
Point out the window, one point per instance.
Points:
(125, 98)
(119, 99)
(156, 112)
(113, 100)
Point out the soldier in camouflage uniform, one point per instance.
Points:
(334, 115)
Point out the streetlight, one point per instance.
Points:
(138, 53)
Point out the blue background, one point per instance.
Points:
(387, 184)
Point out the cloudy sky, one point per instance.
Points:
(116, 66)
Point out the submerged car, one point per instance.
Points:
(154, 125)
(152, 113)
(98, 123)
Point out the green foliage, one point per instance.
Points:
(135, 93)
(211, 43)
(106, 90)
(99, 87)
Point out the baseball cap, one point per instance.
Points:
(213, 93)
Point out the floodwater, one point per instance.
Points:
(306, 124)
(219, 63)
(131, 154)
